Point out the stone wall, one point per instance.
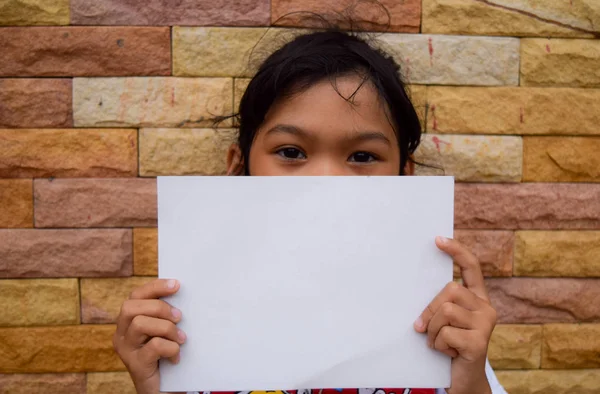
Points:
(97, 97)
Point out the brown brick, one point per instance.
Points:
(16, 203)
(515, 347)
(95, 202)
(547, 300)
(68, 153)
(39, 302)
(527, 206)
(561, 159)
(65, 253)
(85, 51)
(34, 12)
(404, 16)
(109, 383)
(82, 348)
(586, 381)
(145, 251)
(36, 103)
(571, 346)
(557, 253)
(101, 298)
(494, 249)
(72, 383)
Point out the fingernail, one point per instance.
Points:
(442, 240)
(171, 283)
(177, 359)
(181, 335)
(419, 323)
(176, 313)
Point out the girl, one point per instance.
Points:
(327, 103)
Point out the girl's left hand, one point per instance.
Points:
(460, 320)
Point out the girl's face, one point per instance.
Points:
(317, 132)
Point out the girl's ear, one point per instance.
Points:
(409, 167)
(235, 161)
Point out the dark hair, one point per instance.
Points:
(314, 57)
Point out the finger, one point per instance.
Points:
(449, 314)
(158, 348)
(155, 289)
(454, 293)
(143, 328)
(451, 341)
(470, 268)
(152, 308)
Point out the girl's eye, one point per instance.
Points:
(362, 157)
(291, 153)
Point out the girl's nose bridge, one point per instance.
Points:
(328, 166)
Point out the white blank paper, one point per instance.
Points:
(304, 282)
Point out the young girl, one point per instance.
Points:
(327, 103)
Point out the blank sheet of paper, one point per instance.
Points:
(304, 282)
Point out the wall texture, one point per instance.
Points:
(97, 97)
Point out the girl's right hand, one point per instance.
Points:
(146, 332)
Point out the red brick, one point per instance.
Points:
(527, 206)
(65, 253)
(494, 249)
(169, 13)
(16, 203)
(36, 103)
(72, 383)
(126, 202)
(547, 300)
(85, 51)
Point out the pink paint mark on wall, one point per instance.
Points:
(439, 142)
(548, 48)
(521, 115)
(430, 44)
(433, 117)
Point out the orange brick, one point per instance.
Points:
(16, 203)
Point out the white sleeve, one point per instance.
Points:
(492, 380)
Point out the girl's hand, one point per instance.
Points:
(146, 332)
(460, 320)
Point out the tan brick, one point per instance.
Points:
(72, 383)
(494, 249)
(507, 110)
(239, 88)
(101, 298)
(65, 253)
(145, 251)
(545, 18)
(85, 51)
(571, 346)
(109, 383)
(39, 302)
(16, 203)
(560, 62)
(474, 158)
(35, 102)
(82, 348)
(68, 153)
(184, 151)
(151, 101)
(125, 202)
(557, 253)
(561, 159)
(515, 347)
(585, 381)
(34, 12)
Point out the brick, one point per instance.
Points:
(34, 12)
(455, 60)
(527, 206)
(81, 348)
(512, 18)
(474, 158)
(145, 251)
(494, 249)
(35, 103)
(515, 347)
(73, 383)
(167, 13)
(560, 62)
(109, 383)
(101, 298)
(239, 88)
(65, 253)
(29, 153)
(39, 302)
(184, 151)
(550, 381)
(507, 110)
(557, 253)
(571, 346)
(151, 102)
(545, 300)
(16, 203)
(85, 51)
(125, 202)
(404, 16)
(561, 159)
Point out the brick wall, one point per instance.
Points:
(97, 97)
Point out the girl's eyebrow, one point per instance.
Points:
(355, 136)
